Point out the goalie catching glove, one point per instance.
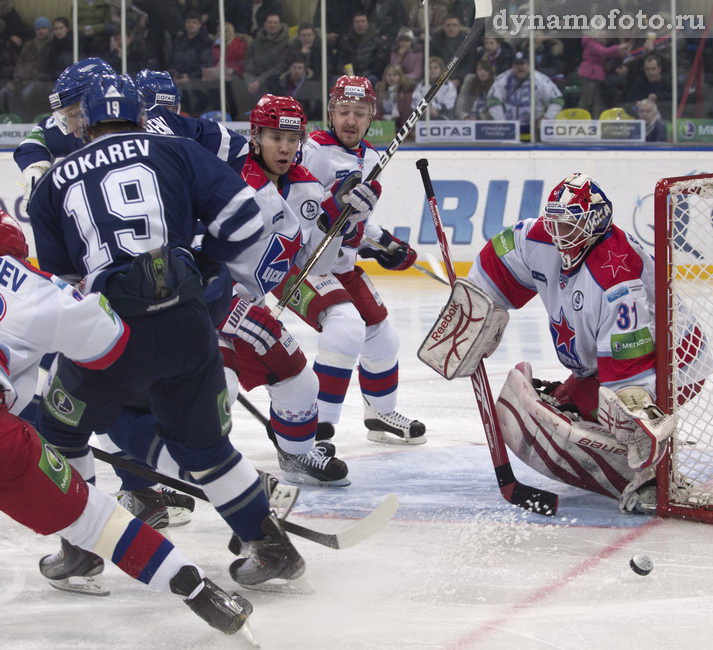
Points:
(468, 328)
(252, 324)
(398, 255)
(32, 173)
(350, 191)
(633, 418)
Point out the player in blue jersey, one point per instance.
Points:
(120, 214)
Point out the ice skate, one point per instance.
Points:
(74, 569)
(281, 497)
(318, 466)
(147, 505)
(393, 428)
(221, 611)
(268, 563)
(179, 506)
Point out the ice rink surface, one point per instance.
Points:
(458, 567)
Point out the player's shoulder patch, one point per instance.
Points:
(614, 260)
(323, 138)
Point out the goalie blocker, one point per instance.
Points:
(468, 329)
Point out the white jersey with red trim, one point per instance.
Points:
(42, 314)
(601, 315)
(330, 161)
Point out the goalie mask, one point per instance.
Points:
(577, 215)
(12, 239)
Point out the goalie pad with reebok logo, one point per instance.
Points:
(468, 328)
(576, 452)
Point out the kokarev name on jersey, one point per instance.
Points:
(107, 154)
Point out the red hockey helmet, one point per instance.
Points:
(350, 88)
(12, 239)
(276, 112)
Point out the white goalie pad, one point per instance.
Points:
(578, 453)
(638, 423)
(468, 328)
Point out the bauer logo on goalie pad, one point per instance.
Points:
(468, 328)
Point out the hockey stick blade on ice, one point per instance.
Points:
(483, 10)
(356, 533)
(540, 501)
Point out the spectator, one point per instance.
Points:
(307, 45)
(443, 104)
(97, 20)
(14, 33)
(497, 53)
(509, 96)
(465, 10)
(363, 49)
(655, 126)
(472, 103)
(446, 41)
(389, 15)
(266, 54)
(235, 49)
(393, 95)
(437, 12)
(298, 82)
(165, 22)
(61, 50)
(249, 16)
(592, 73)
(191, 52)
(26, 94)
(652, 82)
(137, 57)
(339, 17)
(548, 57)
(407, 55)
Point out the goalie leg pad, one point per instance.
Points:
(468, 329)
(581, 454)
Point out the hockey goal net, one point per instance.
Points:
(683, 252)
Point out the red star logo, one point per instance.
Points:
(564, 332)
(580, 196)
(290, 248)
(615, 263)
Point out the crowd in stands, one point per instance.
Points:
(382, 40)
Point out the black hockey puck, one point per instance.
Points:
(641, 564)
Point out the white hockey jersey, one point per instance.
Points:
(601, 316)
(329, 161)
(42, 314)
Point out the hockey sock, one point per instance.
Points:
(293, 411)
(380, 388)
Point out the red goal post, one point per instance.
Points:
(683, 251)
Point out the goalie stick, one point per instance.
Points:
(483, 10)
(540, 501)
(351, 536)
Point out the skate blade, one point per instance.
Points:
(303, 479)
(246, 632)
(387, 438)
(85, 585)
(283, 499)
(178, 517)
(297, 587)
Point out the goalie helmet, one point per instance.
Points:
(157, 88)
(350, 88)
(12, 239)
(283, 113)
(70, 85)
(111, 98)
(577, 215)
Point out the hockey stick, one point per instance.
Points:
(375, 244)
(245, 402)
(483, 9)
(351, 536)
(540, 501)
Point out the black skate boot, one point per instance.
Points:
(225, 613)
(146, 504)
(74, 569)
(179, 506)
(271, 558)
(393, 427)
(317, 467)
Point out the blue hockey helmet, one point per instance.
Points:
(577, 215)
(111, 98)
(70, 85)
(158, 89)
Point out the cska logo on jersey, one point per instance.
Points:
(565, 339)
(277, 260)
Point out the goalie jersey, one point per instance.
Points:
(41, 313)
(601, 316)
